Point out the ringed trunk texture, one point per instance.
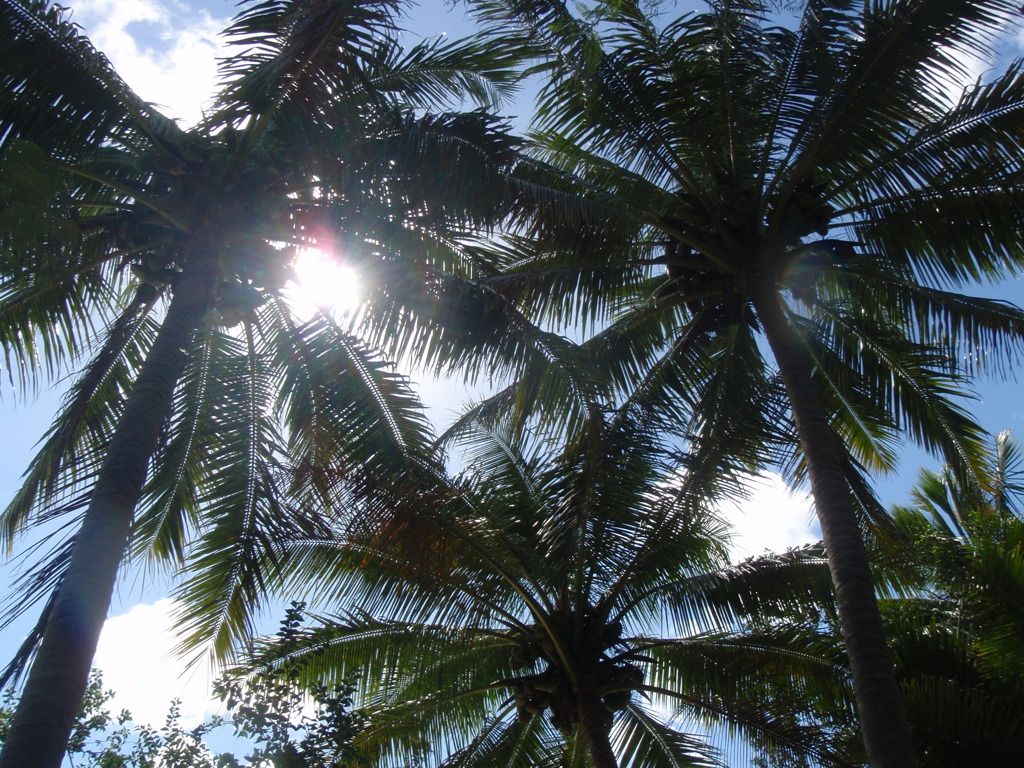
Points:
(59, 675)
(593, 719)
(880, 709)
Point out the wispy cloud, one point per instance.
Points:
(164, 49)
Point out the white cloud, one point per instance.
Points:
(773, 518)
(164, 49)
(136, 656)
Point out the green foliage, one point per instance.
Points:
(271, 708)
(557, 597)
(320, 138)
(285, 725)
(691, 175)
(710, 157)
(957, 635)
(101, 740)
(798, 202)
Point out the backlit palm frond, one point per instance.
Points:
(452, 553)
(895, 71)
(245, 505)
(170, 506)
(60, 93)
(468, 587)
(37, 584)
(676, 534)
(960, 724)
(541, 560)
(999, 565)
(298, 55)
(540, 27)
(563, 216)
(963, 166)
(448, 717)
(929, 217)
(73, 448)
(956, 631)
(784, 691)
(506, 740)
(451, 323)
(862, 418)
(769, 586)
(1005, 485)
(302, 149)
(509, 464)
(710, 389)
(452, 170)
(351, 424)
(908, 383)
(979, 334)
(61, 278)
(807, 58)
(610, 495)
(953, 709)
(53, 322)
(348, 413)
(643, 740)
(779, 153)
(436, 71)
(400, 664)
(576, 291)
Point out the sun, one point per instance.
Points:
(322, 283)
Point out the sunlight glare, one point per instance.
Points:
(322, 283)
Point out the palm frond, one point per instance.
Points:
(60, 93)
(74, 446)
(301, 55)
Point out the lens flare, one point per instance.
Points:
(323, 282)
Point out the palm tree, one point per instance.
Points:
(957, 634)
(816, 194)
(218, 418)
(565, 606)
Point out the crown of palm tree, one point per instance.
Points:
(567, 605)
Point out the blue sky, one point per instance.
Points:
(166, 50)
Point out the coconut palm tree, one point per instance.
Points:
(568, 605)
(957, 634)
(954, 613)
(816, 194)
(208, 416)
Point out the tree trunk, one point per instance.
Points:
(59, 675)
(883, 718)
(595, 720)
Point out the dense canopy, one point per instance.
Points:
(755, 220)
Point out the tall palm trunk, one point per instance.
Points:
(880, 707)
(57, 681)
(596, 724)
